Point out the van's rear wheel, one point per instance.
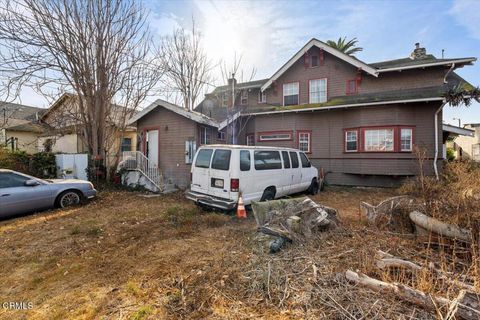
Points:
(268, 194)
(314, 187)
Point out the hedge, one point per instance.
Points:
(41, 164)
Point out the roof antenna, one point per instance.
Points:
(443, 51)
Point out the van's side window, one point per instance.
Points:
(305, 162)
(294, 157)
(203, 158)
(221, 159)
(244, 160)
(286, 160)
(267, 160)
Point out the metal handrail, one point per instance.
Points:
(136, 160)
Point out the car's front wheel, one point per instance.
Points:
(68, 199)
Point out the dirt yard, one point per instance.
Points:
(124, 256)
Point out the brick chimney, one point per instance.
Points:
(230, 82)
(418, 53)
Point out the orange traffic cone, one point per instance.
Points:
(241, 212)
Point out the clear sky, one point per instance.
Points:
(267, 33)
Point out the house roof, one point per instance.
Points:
(409, 63)
(28, 127)
(317, 43)
(20, 111)
(458, 131)
(241, 85)
(192, 115)
(373, 69)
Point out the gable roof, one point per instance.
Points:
(20, 111)
(317, 43)
(457, 131)
(192, 115)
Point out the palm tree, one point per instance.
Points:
(342, 45)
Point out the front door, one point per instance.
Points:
(152, 147)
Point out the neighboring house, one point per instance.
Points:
(468, 146)
(168, 137)
(64, 134)
(19, 126)
(358, 121)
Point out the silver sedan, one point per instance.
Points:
(21, 193)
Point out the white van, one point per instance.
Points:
(221, 173)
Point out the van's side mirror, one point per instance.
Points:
(31, 183)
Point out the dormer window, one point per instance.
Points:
(262, 97)
(314, 61)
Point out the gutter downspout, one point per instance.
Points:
(435, 168)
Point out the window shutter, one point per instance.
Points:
(321, 57)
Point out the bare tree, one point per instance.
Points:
(233, 74)
(186, 65)
(99, 49)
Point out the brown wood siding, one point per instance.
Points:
(171, 151)
(338, 72)
(327, 129)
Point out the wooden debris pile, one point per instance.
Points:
(291, 220)
(465, 306)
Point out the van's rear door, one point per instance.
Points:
(201, 171)
(220, 173)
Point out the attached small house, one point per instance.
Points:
(168, 136)
(359, 122)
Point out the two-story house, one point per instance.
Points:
(359, 122)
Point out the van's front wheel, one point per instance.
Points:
(268, 194)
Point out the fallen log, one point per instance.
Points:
(444, 229)
(386, 207)
(465, 306)
(386, 260)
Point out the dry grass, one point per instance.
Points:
(127, 257)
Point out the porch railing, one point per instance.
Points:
(137, 161)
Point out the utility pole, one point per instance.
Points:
(459, 121)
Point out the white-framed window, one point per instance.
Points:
(274, 136)
(291, 93)
(221, 135)
(204, 135)
(304, 141)
(406, 137)
(250, 140)
(317, 90)
(190, 149)
(262, 97)
(351, 140)
(244, 97)
(380, 140)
